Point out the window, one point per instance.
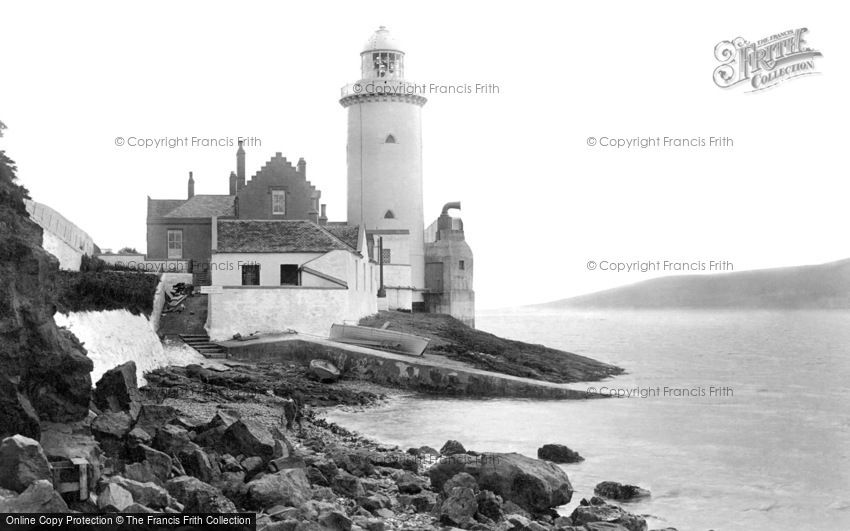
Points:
(251, 275)
(390, 139)
(175, 244)
(290, 275)
(279, 202)
(385, 256)
(389, 215)
(461, 265)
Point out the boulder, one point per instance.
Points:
(347, 485)
(452, 447)
(39, 497)
(558, 453)
(147, 493)
(534, 485)
(354, 461)
(198, 464)
(245, 437)
(287, 487)
(374, 502)
(198, 497)
(459, 507)
(173, 440)
(114, 497)
(617, 491)
(608, 514)
(139, 436)
(117, 390)
(152, 461)
(424, 502)
(17, 415)
(154, 416)
(334, 520)
(22, 462)
(114, 424)
(461, 479)
(323, 371)
(490, 505)
(410, 483)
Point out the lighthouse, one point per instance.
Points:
(384, 158)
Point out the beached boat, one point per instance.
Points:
(379, 338)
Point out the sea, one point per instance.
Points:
(734, 420)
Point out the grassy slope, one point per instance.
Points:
(454, 340)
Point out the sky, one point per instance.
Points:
(539, 203)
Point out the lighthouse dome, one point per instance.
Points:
(382, 40)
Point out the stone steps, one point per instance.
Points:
(202, 343)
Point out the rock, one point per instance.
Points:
(354, 461)
(374, 502)
(490, 505)
(114, 497)
(315, 477)
(518, 522)
(347, 485)
(115, 424)
(39, 497)
(173, 440)
(558, 453)
(198, 464)
(157, 464)
(461, 479)
(147, 493)
(287, 487)
(333, 520)
(17, 416)
(252, 465)
(228, 463)
(22, 462)
(117, 390)
(410, 483)
(247, 437)
(534, 485)
(44, 371)
(139, 508)
(459, 507)
(139, 436)
(282, 463)
(152, 417)
(617, 491)
(323, 371)
(424, 502)
(198, 497)
(326, 466)
(607, 513)
(452, 447)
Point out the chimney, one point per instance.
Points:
(233, 183)
(191, 186)
(302, 167)
(313, 215)
(323, 219)
(240, 167)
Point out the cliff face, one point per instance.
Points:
(44, 371)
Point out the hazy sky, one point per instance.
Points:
(538, 202)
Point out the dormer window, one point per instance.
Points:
(389, 215)
(390, 139)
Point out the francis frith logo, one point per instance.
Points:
(765, 63)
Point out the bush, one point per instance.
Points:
(95, 290)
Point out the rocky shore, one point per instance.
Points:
(225, 439)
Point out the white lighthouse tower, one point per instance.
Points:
(385, 165)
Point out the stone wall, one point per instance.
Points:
(407, 372)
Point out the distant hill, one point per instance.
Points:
(824, 286)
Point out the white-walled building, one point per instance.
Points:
(272, 275)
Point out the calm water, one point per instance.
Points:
(772, 456)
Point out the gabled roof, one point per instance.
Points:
(158, 208)
(276, 236)
(346, 233)
(204, 206)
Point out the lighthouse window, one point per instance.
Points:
(461, 265)
(390, 139)
(386, 256)
(389, 215)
